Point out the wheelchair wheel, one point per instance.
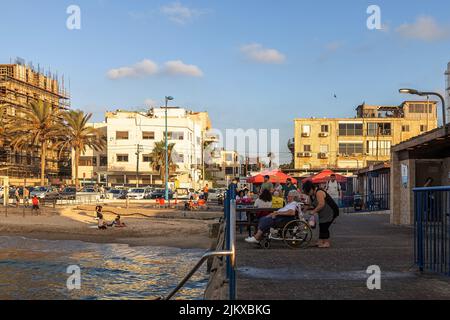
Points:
(265, 244)
(297, 234)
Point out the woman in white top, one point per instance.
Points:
(264, 200)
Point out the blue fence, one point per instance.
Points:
(230, 231)
(366, 203)
(432, 229)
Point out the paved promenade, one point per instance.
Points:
(339, 272)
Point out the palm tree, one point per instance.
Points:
(77, 135)
(158, 157)
(39, 125)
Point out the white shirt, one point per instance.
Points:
(263, 204)
(290, 206)
(333, 189)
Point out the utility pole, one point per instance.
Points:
(203, 160)
(138, 154)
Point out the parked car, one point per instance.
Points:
(88, 190)
(1, 192)
(139, 193)
(160, 193)
(69, 193)
(45, 192)
(116, 194)
(214, 194)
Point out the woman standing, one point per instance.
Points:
(322, 208)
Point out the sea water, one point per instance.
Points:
(37, 269)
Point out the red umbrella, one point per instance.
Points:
(275, 176)
(324, 177)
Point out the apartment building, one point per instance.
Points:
(349, 144)
(20, 85)
(131, 138)
(223, 166)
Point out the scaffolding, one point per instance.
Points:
(20, 85)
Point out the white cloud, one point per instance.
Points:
(425, 28)
(150, 68)
(257, 53)
(143, 68)
(178, 67)
(150, 103)
(330, 49)
(180, 14)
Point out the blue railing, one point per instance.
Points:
(366, 203)
(230, 230)
(229, 252)
(432, 229)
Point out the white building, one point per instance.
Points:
(132, 134)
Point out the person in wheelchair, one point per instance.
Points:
(280, 217)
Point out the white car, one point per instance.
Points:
(213, 194)
(1, 192)
(139, 193)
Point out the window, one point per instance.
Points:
(175, 135)
(229, 170)
(405, 128)
(324, 128)
(88, 161)
(423, 128)
(307, 148)
(121, 135)
(228, 157)
(324, 148)
(379, 129)
(122, 158)
(146, 158)
(350, 148)
(103, 161)
(306, 130)
(383, 148)
(420, 108)
(350, 129)
(148, 135)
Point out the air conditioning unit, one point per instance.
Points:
(300, 155)
(305, 135)
(323, 155)
(323, 134)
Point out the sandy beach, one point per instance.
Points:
(145, 227)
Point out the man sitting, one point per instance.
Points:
(282, 216)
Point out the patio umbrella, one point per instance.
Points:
(275, 176)
(324, 177)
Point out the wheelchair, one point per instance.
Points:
(295, 234)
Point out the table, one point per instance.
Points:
(251, 212)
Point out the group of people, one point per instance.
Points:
(103, 224)
(291, 200)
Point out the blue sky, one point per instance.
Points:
(250, 63)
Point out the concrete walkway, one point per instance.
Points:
(340, 272)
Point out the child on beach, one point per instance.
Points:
(35, 203)
(118, 223)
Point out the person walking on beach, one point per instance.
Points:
(35, 208)
(26, 197)
(206, 192)
(17, 197)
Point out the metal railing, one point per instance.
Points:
(432, 229)
(366, 203)
(229, 252)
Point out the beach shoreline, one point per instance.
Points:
(79, 224)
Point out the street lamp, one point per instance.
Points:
(168, 98)
(424, 94)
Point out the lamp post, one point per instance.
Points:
(424, 94)
(166, 177)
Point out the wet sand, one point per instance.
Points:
(149, 227)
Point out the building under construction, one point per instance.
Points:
(20, 85)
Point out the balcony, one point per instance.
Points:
(324, 135)
(304, 155)
(323, 155)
